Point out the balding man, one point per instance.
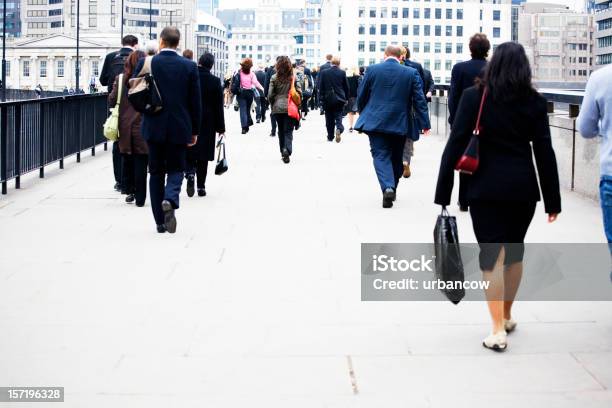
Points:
(387, 96)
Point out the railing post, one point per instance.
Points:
(62, 115)
(42, 141)
(573, 114)
(92, 103)
(3, 131)
(77, 120)
(17, 139)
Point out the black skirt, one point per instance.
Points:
(500, 224)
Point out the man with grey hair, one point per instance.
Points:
(386, 99)
(334, 91)
(151, 47)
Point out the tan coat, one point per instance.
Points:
(130, 138)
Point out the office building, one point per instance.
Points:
(208, 6)
(13, 18)
(261, 33)
(310, 47)
(41, 18)
(602, 36)
(437, 33)
(558, 44)
(211, 36)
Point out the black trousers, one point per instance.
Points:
(273, 122)
(117, 162)
(134, 176)
(500, 224)
(196, 167)
(333, 121)
(285, 131)
(166, 167)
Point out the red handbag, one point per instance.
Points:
(293, 109)
(468, 163)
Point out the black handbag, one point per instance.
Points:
(449, 266)
(221, 166)
(143, 92)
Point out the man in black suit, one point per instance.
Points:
(334, 90)
(465, 73)
(260, 101)
(322, 69)
(429, 85)
(463, 76)
(113, 66)
(409, 146)
(169, 132)
(269, 74)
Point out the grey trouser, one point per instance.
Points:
(408, 150)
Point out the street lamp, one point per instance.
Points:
(150, 19)
(122, 7)
(4, 50)
(78, 63)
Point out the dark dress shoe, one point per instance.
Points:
(139, 204)
(388, 198)
(258, 121)
(272, 134)
(117, 187)
(161, 229)
(201, 192)
(130, 198)
(169, 217)
(190, 186)
(244, 131)
(463, 208)
(285, 155)
(263, 119)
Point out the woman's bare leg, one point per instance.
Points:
(495, 292)
(512, 280)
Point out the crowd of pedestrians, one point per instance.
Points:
(494, 102)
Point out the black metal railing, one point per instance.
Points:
(38, 132)
(23, 94)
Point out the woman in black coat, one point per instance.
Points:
(503, 192)
(213, 122)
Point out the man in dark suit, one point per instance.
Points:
(114, 63)
(334, 90)
(463, 76)
(260, 101)
(465, 73)
(269, 74)
(386, 99)
(322, 69)
(409, 146)
(429, 85)
(169, 132)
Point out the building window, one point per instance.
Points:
(405, 13)
(427, 30)
(437, 48)
(361, 46)
(438, 31)
(8, 68)
(448, 65)
(55, 12)
(416, 46)
(449, 31)
(361, 29)
(394, 12)
(449, 14)
(496, 15)
(26, 68)
(459, 48)
(437, 66)
(94, 68)
(459, 14)
(372, 29)
(373, 12)
(438, 13)
(416, 29)
(405, 30)
(383, 29)
(361, 12)
(60, 68)
(372, 46)
(416, 13)
(496, 32)
(393, 29)
(426, 47)
(43, 68)
(459, 31)
(449, 48)
(427, 13)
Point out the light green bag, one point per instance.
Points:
(111, 125)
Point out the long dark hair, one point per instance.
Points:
(284, 69)
(508, 74)
(130, 65)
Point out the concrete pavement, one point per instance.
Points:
(256, 300)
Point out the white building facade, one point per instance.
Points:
(261, 33)
(310, 47)
(558, 44)
(51, 62)
(437, 32)
(211, 36)
(41, 18)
